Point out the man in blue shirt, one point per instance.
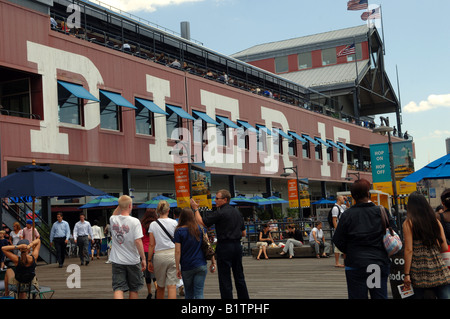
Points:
(59, 236)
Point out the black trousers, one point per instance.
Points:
(229, 258)
(60, 246)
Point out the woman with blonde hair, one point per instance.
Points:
(162, 249)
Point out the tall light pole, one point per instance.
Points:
(387, 129)
(285, 174)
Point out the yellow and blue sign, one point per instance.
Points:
(381, 167)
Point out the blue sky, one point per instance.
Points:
(415, 36)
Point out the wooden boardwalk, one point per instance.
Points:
(277, 278)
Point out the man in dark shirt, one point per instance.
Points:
(359, 235)
(229, 230)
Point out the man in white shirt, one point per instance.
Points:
(317, 240)
(336, 213)
(127, 251)
(81, 234)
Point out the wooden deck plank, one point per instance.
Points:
(280, 278)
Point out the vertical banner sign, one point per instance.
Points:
(381, 167)
(182, 187)
(292, 193)
(304, 193)
(201, 186)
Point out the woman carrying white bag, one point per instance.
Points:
(424, 241)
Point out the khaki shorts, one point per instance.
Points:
(165, 270)
(261, 244)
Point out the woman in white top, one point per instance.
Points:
(162, 245)
(98, 236)
(14, 237)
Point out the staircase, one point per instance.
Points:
(17, 213)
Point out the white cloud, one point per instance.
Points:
(440, 133)
(434, 101)
(143, 5)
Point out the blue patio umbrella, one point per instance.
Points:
(277, 200)
(40, 181)
(153, 203)
(101, 201)
(255, 200)
(323, 201)
(438, 169)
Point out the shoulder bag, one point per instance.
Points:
(391, 241)
(207, 248)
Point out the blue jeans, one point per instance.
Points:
(360, 279)
(194, 281)
(441, 292)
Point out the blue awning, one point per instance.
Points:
(263, 128)
(205, 117)
(227, 121)
(322, 142)
(334, 144)
(78, 90)
(309, 138)
(298, 137)
(180, 112)
(345, 146)
(117, 99)
(152, 107)
(247, 126)
(281, 133)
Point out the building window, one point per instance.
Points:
(304, 60)
(109, 114)
(70, 107)
(318, 151)
(144, 119)
(221, 133)
(329, 56)
(200, 127)
(340, 154)
(358, 48)
(292, 147)
(15, 98)
(306, 150)
(330, 154)
(281, 64)
(173, 123)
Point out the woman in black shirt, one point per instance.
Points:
(264, 238)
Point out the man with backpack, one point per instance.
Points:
(336, 213)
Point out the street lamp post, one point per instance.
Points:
(285, 174)
(387, 129)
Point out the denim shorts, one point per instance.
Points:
(127, 277)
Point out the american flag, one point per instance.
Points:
(349, 49)
(371, 14)
(357, 4)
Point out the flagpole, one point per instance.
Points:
(382, 29)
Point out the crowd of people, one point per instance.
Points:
(162, 251)
(167, 252)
